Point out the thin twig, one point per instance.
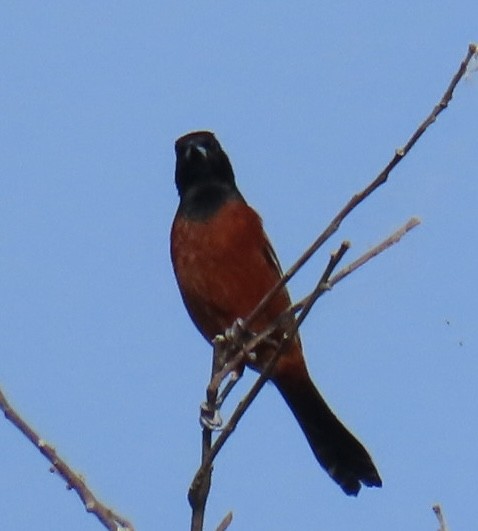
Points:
(362, 260)
(111, 520)
(382, 177)
(324, 284)
(372, 253)
(441, 519)
(226, 522)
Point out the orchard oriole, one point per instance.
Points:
(224, 265)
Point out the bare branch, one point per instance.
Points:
(74, 481)
(382, 177)
(323, 285)
(199, 489)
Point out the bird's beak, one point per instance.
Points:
(195, 148)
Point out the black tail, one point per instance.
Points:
(336, 449)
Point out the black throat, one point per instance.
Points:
(201, 202)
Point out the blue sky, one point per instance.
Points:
(309, 100)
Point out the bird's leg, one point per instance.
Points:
(210, 416)
(225, 364)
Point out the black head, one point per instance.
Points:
(204, 176)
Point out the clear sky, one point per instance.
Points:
(309, 99)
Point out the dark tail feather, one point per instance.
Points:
(336, 449)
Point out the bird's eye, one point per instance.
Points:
(208, 146)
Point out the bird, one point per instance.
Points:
(224, 264)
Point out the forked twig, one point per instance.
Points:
(381, 178)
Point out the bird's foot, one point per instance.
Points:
(210, 417)
(236, 333)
